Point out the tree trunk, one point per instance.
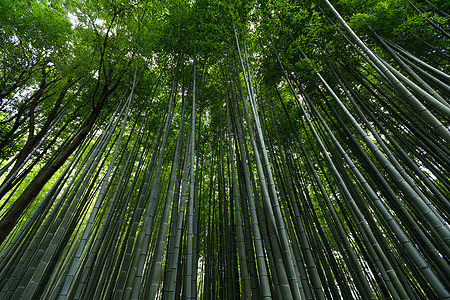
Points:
(15, 211)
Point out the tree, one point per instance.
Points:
(283, 149)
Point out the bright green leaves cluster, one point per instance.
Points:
(382, 16)
(31, 32)
(36, 24)
(201, 28)
(404, 22)
(212, 27)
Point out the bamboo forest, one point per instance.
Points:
(226, 149)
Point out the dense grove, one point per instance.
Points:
(224, 149)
